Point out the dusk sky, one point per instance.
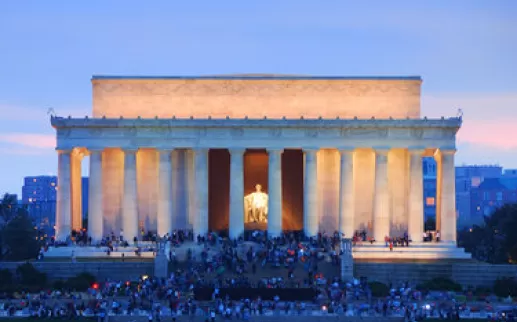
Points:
(465, 51)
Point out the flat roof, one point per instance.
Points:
(256, 77)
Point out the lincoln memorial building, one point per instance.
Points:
(240, 152)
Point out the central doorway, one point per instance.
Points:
(255, 172)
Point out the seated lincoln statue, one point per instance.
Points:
(255, 206)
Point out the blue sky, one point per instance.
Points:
(465, 50)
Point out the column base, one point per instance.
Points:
(63, 233)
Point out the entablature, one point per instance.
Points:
(254, 133)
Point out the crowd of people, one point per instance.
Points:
(251, 262)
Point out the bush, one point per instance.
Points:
(6, 277)
(30, 277)
(81, 282)
(482, 291)
(505, 286)
(379, 289)
(440, 284)
(59, 285)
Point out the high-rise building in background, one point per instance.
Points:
(39, 195)
(469, 178)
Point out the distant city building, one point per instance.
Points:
(39, 189)
(480, 190)
(39, 194)
(491, 194)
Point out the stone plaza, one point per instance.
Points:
(239, 152)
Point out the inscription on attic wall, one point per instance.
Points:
(256, 98)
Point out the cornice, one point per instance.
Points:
(61, 122)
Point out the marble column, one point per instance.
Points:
(448, 196)
(416, 192)
(236, 193)
(310, 193)
(130, 197)
(346, 193)
(76, 158)
(274, 222)
(95, 202)
(63, 215)
(381, 204)
(164, 210)
(201, 194)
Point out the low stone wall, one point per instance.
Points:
(467, 274)
(101, 270)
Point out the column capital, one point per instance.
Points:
(165, 150)
(200, 150)
(311, 150)
(447, 151)
(64, 151)
(237, 151)
(129, 150)
(382, 150)
(346, 150)
(416, 150)
(275, 151)
(95, 150)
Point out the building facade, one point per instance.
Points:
(331, 153)
(39, 189)
(469, 177)
(39, 194)
(491, 194)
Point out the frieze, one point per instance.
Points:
(237, 132)
(275, 132)
(344, 131)
(64, 133)
(202, 132)
(253, 133)
(311, 133)
(448, 133)
(417, 133)
(95, 131)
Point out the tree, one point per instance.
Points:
(8, 209)
(494, 241)
(19, 238)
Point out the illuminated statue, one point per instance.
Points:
(255, 205)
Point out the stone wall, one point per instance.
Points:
(467, 274)
(107, 270)
(256, 98)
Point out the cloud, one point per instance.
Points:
(38, 141)
(488, 120)
(484, 154)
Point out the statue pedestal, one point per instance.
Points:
(347, 261)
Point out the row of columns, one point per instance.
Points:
(446, 213)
